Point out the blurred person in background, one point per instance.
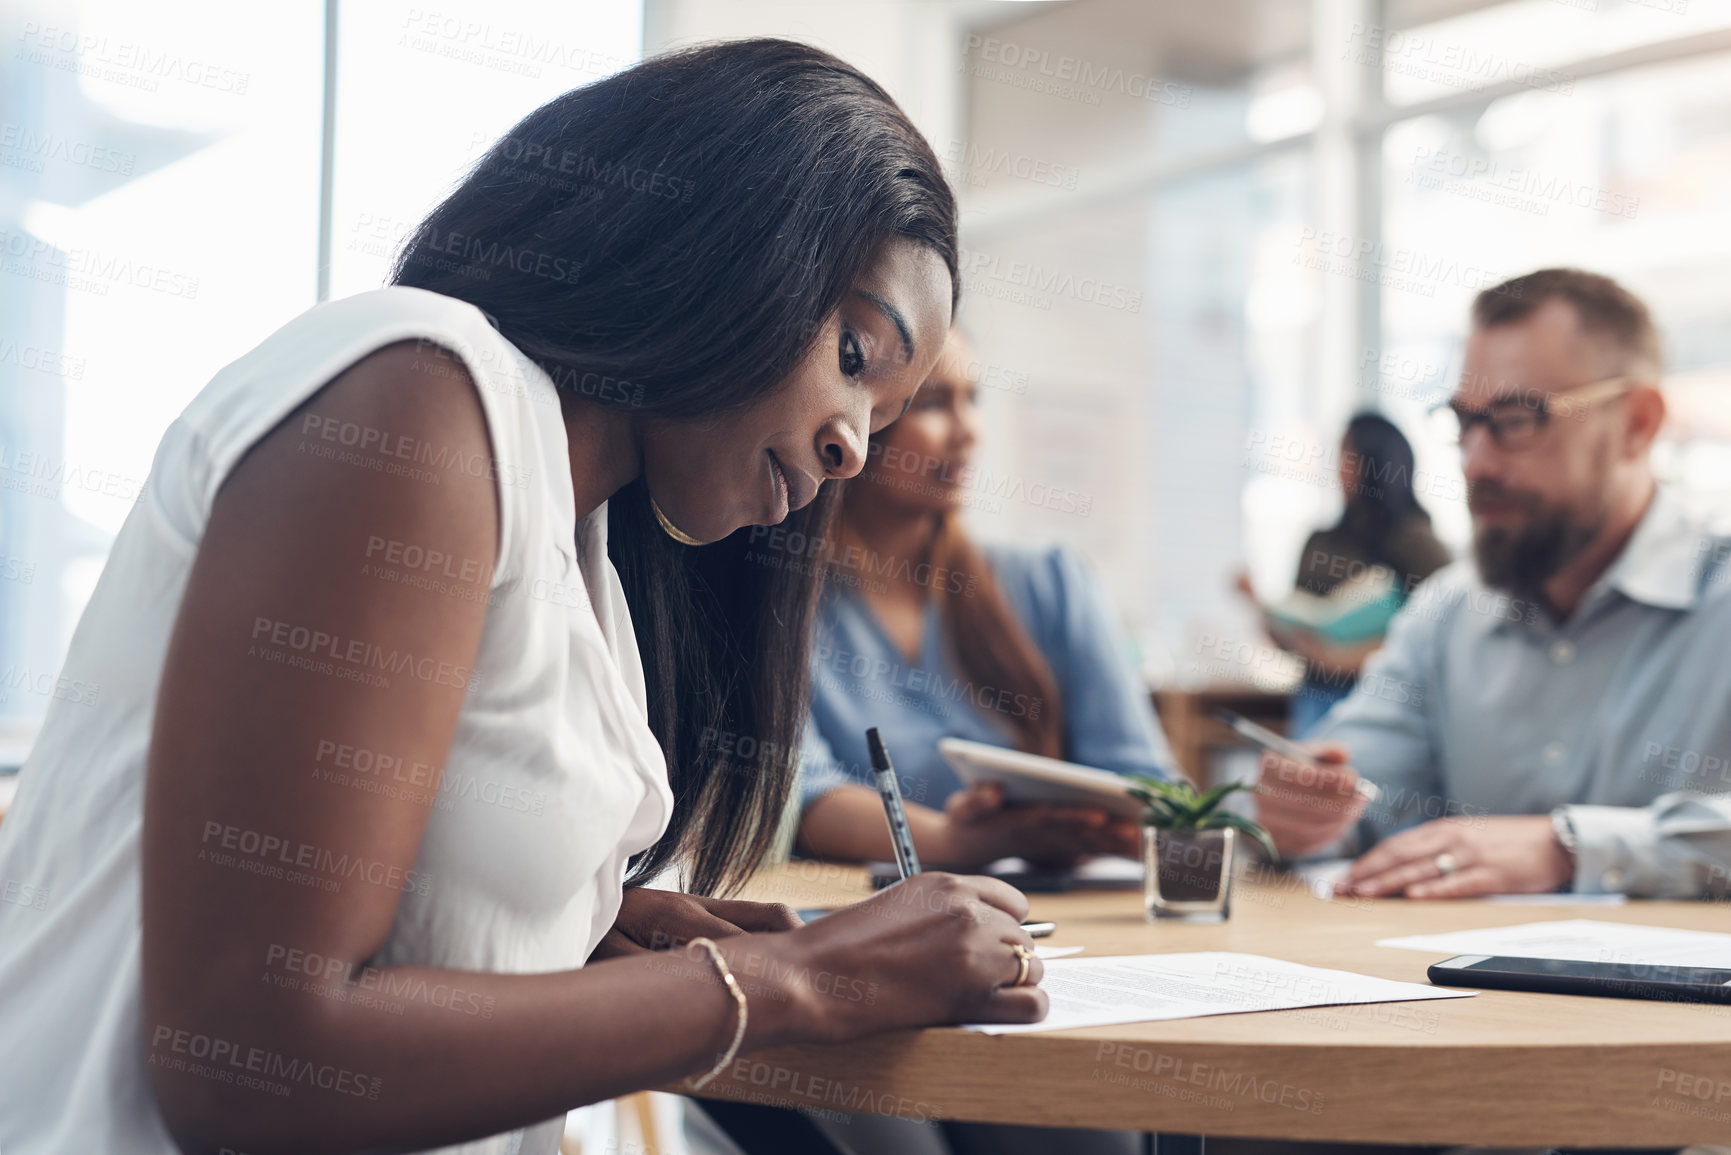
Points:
(1355, 575)
(1009, 645)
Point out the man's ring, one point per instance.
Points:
(1446, 864)
(1024, 958)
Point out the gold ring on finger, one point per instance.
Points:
(1024, 961)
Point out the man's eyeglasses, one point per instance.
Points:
(1517, 422)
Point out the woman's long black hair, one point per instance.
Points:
(671, 240)
(1384, 496)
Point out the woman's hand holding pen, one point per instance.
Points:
(979, 828)
(934, 949)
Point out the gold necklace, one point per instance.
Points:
(672, 531)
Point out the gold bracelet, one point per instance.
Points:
(738, 997)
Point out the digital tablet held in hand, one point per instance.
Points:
(1030, 778)
(1566, 977)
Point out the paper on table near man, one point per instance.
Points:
(1580, 939)
(1097, 992)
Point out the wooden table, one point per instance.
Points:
(1501, 1068)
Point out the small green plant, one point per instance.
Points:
(1177, 805)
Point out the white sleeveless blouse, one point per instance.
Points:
(553, 780)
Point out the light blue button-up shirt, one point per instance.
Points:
(860, 679)
(1479, 703)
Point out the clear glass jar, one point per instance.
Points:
(1187, 873)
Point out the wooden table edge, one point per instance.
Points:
(1530, 1095)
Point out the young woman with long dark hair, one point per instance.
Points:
(418, 652)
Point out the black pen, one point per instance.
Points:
(907, 861)
(1276, 744)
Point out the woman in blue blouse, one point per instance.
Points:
(927, 635)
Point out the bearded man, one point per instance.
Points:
(1554, 714)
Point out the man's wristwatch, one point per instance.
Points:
(1565, 831)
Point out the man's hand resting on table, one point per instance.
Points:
(1305, 809)
(664, 919)
(1511, 854)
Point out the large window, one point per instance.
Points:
(162, 168)
(424, 90)
(1625, 174)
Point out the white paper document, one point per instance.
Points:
(1322, 874)
(1096, 992)
(1580, 939)
(1057, 951)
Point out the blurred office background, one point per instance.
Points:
(1196, 238)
